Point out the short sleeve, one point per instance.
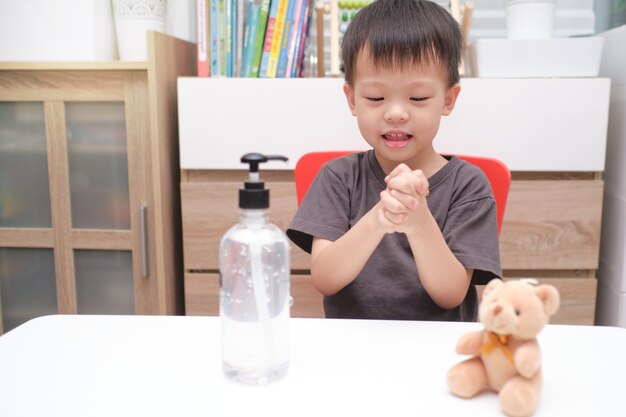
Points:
(324, 211)
(471, 229)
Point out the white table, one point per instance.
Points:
(170, 366)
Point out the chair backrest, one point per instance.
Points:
(496, 171)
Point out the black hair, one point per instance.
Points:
(397, 32)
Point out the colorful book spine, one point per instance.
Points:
(277, 37)
(229, 44)
(222, 26)
(214, 35)
(202, 38)
(269, 34)
(288, 34)
(298, 68)
(252, 17)
(241, 19)
(259, 38)
(294, 38)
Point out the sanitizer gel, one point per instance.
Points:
(254, 287)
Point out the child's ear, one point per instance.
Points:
(349, 92)
(450, 100)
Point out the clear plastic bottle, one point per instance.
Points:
(254, 288)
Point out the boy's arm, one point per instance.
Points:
(444, 278)
(336, 264)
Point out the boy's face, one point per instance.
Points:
(399, 109)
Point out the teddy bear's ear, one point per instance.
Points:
(550, 298)
(494, 283)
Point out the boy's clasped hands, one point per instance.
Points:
(402, 207)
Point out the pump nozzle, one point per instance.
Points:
(254, 195)
(254, 159)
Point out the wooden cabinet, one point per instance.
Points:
(553, 143)
(551, 232)
(89, 186)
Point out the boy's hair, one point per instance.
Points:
(398, 32)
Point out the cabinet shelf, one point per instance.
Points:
(130, 235)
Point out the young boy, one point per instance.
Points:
(399, 231)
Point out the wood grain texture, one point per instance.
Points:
(552, 225)
(169, 58)
(62, 85)
(548, 224)
(202, 294)
(551, 230)
(578, 299)
(202, 297)
(210, 209)
(60, 209)
(26, 237)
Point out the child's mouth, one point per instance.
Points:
(396, 139)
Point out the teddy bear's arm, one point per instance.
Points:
(528, 359)
(469, 344)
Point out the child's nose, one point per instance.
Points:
(396, 113)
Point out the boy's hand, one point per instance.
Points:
(404, 201)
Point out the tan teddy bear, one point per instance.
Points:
(506, 355)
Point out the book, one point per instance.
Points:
(288, 34)
(277, 37)
(202, 38)
(259, 38)
(214, 49)
(294, 38)
(249, 37)
(298, 68)
(228, 41)
(267, 40)
(222, 35)
(241, 18)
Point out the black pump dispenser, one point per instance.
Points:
(254, 195)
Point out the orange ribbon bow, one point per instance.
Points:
(497, 341)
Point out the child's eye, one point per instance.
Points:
(418, 98)
(375, 98)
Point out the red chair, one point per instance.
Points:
(496, 171)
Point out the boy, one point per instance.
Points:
(399, 231)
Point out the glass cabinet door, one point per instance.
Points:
(27, 275)
(24, 186)
(27, 285)
(98, 165)
(99, 194)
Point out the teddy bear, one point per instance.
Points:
(506, 357)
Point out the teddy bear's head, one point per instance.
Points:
(517, 308)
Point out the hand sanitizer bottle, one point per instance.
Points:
(254, 287)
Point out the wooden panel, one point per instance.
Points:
(169, 58)
(210, 209)
(26, 238)
(56, 143)
(552, 225)
(202, 296)
(62, 85)
(101, 239)
(578, 299)
(548, 224)
(140, 191)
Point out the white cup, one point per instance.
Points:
(530, 19)
(133, 19)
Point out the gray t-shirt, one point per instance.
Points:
(389, 287)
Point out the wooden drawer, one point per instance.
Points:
(551, 231)
(548, 224)
(578, 297)
(202, 295)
